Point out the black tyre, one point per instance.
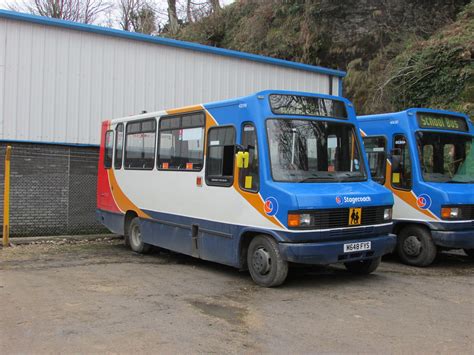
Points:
(135, 238)
(415, 246)
(469, 252)
(363, 267)
(126, 240)
(265, 263)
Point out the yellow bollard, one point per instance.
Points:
(6, 200)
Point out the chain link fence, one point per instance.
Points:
(52, 189)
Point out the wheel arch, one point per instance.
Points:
(246, 237)
(399, 226)
(129, 216)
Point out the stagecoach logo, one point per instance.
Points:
(271, 206)
(423, 201)
(352, 200)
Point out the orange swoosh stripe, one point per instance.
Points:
(254, 199)
(407, 196)
(210, 121)
(185, 109)
(122, 201)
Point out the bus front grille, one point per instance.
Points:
(339, 217)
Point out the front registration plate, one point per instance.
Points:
(352, 247)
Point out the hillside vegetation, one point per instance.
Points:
(397, 53)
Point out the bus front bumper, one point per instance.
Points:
(460, 239)
(324, 253)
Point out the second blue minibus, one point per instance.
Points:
(426, 158)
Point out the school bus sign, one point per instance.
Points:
(437, 121)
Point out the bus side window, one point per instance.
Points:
(220, 156)
(140, 144)
(248, 177)
(401, 163)
(109, 146)
(118, 146)
(181, 142)
(375, 148)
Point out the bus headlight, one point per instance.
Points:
(299, 219)
(450, 212)
(387, 214)
(305, 219)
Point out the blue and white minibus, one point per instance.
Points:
(256, 182)
(426, 158)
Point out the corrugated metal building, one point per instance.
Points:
(59, 80)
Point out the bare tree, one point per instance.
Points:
(126, 9)
(173, 17)
(137, 16)
(144, 20)
(85, 11)
(189, 13)
(215, 5)
(198, 9)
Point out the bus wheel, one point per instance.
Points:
(415, 246)
(135, 238)
(265, 262)
(364, 267)
(469, 252)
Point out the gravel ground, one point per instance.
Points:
(97, 296)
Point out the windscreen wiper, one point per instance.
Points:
(319, 178)
(353, 177)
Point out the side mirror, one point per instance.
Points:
(396, 158)
(242, 159)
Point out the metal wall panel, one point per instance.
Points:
(58, 84)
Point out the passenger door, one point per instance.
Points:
(401, 178)
(249, 176)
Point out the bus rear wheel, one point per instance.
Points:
(265, 263)
(135, 238)
(363, 267)
(415, 246)
(469, 252)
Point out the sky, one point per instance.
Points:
(111, 19)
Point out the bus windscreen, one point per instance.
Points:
(307, 106)
(439, 121)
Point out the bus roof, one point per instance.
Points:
(228, 102)
(408, 112)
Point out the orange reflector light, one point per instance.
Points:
(446, 212)
(293, 220)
